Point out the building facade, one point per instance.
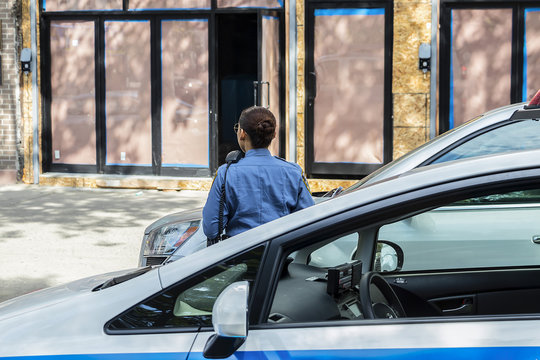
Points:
(145, 93)
(10, 127)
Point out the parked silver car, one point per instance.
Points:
(509, 128)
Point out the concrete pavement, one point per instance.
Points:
(53, 235)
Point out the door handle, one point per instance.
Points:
(455, 305)
(256, 93)
(267, 93)
(461, 310)
(257, 98)
(536, 239)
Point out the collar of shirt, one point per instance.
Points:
(258, 152)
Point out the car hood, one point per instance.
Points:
(54, 295)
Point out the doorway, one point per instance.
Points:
(237, 64)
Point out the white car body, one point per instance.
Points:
(74, 321)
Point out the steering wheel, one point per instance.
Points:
(381, 304)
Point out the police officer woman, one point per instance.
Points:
(259, 187)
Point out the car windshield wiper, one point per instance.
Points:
(120, 279)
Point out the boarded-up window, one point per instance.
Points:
(481, 57)
(73, 103)
(185, 96)
(127, 97)
(349, 68)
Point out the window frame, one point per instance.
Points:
(345, 170)
(185, 284)
(517, 58)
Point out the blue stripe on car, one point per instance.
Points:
(490, 353)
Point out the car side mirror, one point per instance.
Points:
(230, 320)
(388, 257)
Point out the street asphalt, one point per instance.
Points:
(53, 235)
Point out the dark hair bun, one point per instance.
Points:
(265, 128)
(260, 125)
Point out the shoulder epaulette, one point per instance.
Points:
(279, 158)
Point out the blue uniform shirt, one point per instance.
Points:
(259, 188)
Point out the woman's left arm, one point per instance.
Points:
(304, 195)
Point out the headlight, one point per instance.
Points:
(166, 239)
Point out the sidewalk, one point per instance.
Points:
(53, 235)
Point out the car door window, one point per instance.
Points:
(303, 293)
(189, 303)
(520, 135)
(499, 230)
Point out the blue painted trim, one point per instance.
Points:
(524, 85)
(163, 9)
(279, 5)
(524, 95)
(268, 17)
(186, 165)
(125, 21)
(451, 106)
(101, 10)
(251, 7)
(491, 353)
(349, 162)
(192, 20)
(123, 164)
(346, 12)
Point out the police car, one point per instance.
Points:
(509, 128)
(270, 293)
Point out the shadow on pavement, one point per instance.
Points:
(88, 210)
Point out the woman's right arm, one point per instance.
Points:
(211, 208)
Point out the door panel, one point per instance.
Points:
(477, 292)
(388, 339)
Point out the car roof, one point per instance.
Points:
(414, 180)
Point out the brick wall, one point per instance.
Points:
(9, 128)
